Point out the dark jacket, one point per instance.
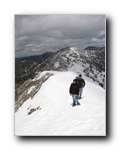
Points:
(80, 82)
(74, 89)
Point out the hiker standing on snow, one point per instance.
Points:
(74, 91)
(81, 83)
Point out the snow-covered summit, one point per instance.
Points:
(49, 111)
(89, 63)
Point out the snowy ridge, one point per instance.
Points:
(90, 63)
(53, 114)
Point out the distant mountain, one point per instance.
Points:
(36, 58)
(93, 48)
(90, 62)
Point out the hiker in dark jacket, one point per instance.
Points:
(74, 91)
(81, 83)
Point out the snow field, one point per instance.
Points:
(57, 116)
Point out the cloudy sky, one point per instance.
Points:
(36, 34)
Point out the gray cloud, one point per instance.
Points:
(35, 34)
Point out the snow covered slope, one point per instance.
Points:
(89, 62)
(50, 111)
